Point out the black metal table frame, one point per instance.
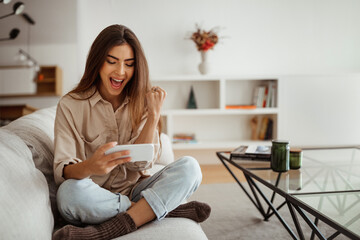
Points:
(292, 203)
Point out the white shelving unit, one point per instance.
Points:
(214, 126)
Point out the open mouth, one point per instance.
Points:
(116, 83)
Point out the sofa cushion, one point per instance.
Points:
(25, 211)
(168, 228)
(37, 131)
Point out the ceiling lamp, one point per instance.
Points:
(17, 9)
(28, 18)
(13, 34)
(5, 1)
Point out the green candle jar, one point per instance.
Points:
(295, 158)
(280, 155)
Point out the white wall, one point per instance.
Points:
(55, 22)
(320, 109)
(260, 36)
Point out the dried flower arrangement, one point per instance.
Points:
(204, 40)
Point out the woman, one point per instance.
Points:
(115, 104)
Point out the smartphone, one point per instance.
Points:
(138, 152)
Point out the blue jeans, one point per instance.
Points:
(83, 201)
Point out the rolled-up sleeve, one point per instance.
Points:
(141, 166)
(65, 142)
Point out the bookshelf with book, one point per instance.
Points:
(265, 95)
(225, 109)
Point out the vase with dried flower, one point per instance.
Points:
(204, 41)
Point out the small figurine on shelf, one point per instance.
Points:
(191, 104)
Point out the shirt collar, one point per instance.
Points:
(97, 97)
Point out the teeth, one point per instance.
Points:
(117, 80)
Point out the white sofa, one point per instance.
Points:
(28, 191)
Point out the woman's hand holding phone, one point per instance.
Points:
(101, 164)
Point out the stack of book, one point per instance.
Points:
(184, 138)
(266, 129)
(265, 95)
(254, 152)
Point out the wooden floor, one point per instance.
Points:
(217, 173)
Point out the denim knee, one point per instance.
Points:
(70, 190)
(191, 170)
(86, 202)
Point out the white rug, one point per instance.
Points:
(234, 216)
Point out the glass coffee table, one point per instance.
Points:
(326, 188)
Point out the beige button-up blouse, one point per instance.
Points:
(81, 126)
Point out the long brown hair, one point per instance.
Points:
(137, 88)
